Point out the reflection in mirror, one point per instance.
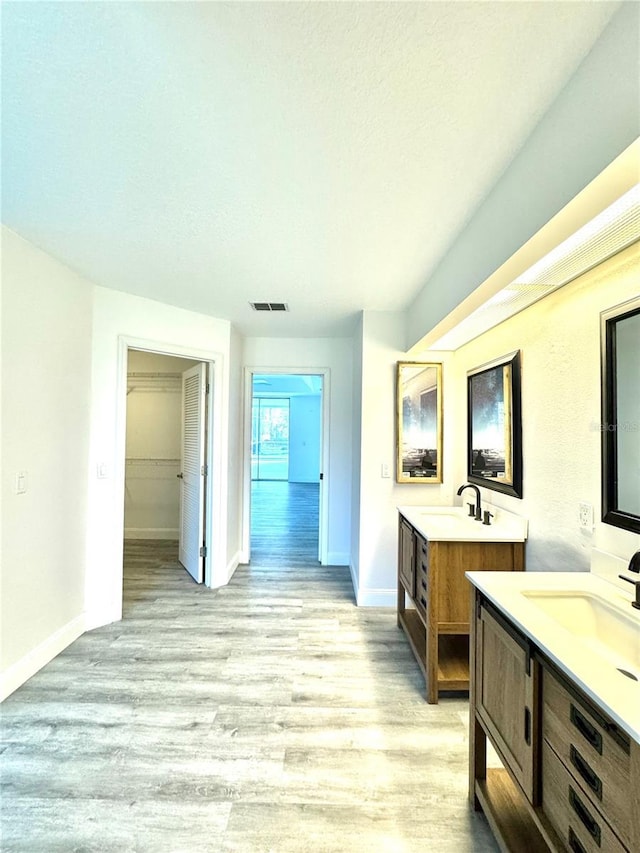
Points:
(620, 339)
(419, 422)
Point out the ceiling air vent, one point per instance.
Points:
(269, 306)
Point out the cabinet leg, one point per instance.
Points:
(477, 759)
(431, 662)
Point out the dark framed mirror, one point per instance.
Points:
(620, 425)
(494, 425)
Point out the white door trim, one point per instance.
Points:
(215, 570)
(323, 521)
(193, 463)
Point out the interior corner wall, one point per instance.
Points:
(559, 341)
(309, 354)
(121, 317)
(357, 344)
(593, 119)
(46, 356)
(382, 348)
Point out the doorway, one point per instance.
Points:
(164, 499)
(286, 462)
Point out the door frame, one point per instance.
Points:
(215, 519)
(323, 519)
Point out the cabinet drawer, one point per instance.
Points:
(599, 763)
(573, 816)
(421, 575)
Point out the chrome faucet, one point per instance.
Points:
(476, 510)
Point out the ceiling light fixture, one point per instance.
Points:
(611, 231)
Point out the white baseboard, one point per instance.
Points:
(377, 598)
(22, 670)
(233, 564)
(372, 597)
(151, 533)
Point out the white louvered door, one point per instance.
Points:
(193, 471)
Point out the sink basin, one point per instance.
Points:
(604, 628)
(454, 524)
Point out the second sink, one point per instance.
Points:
(598, 624)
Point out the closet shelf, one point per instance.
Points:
(156, 382)
(150, 460)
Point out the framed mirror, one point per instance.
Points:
(419, 422)
(494, 425)
(620, 426)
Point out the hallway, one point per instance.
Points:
(269, 716)
(284, 523)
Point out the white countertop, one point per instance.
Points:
(597, 676)
(453, 524)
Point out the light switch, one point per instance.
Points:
(21, 482)
(102, 470)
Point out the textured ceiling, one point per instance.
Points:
(320, 154)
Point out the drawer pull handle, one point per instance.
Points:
(589, 823)
(589, 732)
(424, 586)
(527, 726)
(423, 602)
(574, 843)
(590, 777)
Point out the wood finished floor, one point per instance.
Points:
(270, 716)
(284, 523)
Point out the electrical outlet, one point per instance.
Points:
(384, 470)
(585, 512)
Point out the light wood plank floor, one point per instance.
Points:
(270, 716)
(284, 523)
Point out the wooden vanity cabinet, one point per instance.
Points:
(406, 557)
(570, 777)
(507, 679)
(586, 765)
(433, 600)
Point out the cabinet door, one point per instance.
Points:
(407, 557)
(506, 692)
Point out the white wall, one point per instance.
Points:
(375, 550)
(593, 119)
(559, 338)
(235, 459)
(312, 354)
(153, 445)
(304, 438)
(356, 430)
(46, 356)
(121, 319)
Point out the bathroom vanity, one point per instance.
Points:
(436, 546)
(555, 690)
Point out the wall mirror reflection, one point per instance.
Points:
(494, 425)
(620, 426)
(419, 422)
